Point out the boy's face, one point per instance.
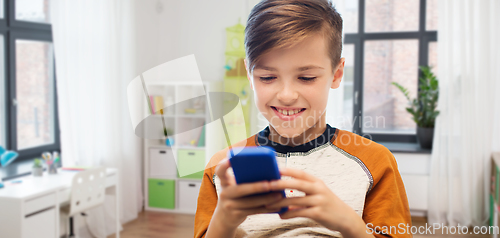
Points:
(291, 86)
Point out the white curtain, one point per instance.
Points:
(467, 128)
(94, 52)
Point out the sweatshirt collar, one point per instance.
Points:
(262, 139)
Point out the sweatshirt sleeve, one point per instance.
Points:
(207, 201)
(386, 212)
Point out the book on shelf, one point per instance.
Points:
(159, 104)
(156, 104)
(152, 105)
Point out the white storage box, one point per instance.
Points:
(188, 195)
(162, 163)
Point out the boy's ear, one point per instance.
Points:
(248, 73)
(339, 74)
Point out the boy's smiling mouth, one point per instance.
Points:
(288, 113)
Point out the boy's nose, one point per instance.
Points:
(288, 94)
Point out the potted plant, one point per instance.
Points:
(423, 108)
(37, 168)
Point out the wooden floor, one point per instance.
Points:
(159, 224)
(156, 224)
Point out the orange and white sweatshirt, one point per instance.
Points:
(362, 173)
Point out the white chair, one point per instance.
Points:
(87, 191)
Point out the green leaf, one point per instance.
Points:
(403, 90)
(423, 107)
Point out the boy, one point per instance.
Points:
(349, 186)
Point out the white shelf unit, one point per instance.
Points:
(164, 164)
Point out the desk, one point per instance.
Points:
(31, 208)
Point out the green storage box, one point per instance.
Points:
(190, 163)
(161, 193)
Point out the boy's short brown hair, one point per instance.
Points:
(281, 23)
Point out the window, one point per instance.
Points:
(388, 40)
(32, 11)
(3, 117)
(2, 8)
(29, 123)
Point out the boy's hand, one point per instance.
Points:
(234, 205)
(319, 204)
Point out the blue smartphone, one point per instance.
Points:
(254, 164)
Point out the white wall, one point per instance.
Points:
(169, 29)
(147, 35)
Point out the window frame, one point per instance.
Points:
(13, 30)
(358, 40)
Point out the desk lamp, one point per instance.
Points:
(6, 157)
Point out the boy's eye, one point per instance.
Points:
(267, 78)
(307, 78)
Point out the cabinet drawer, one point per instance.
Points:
(39, 203)
(161, 193)
(40, 225)
(162, 162)
(191, 163)
(188, 195)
